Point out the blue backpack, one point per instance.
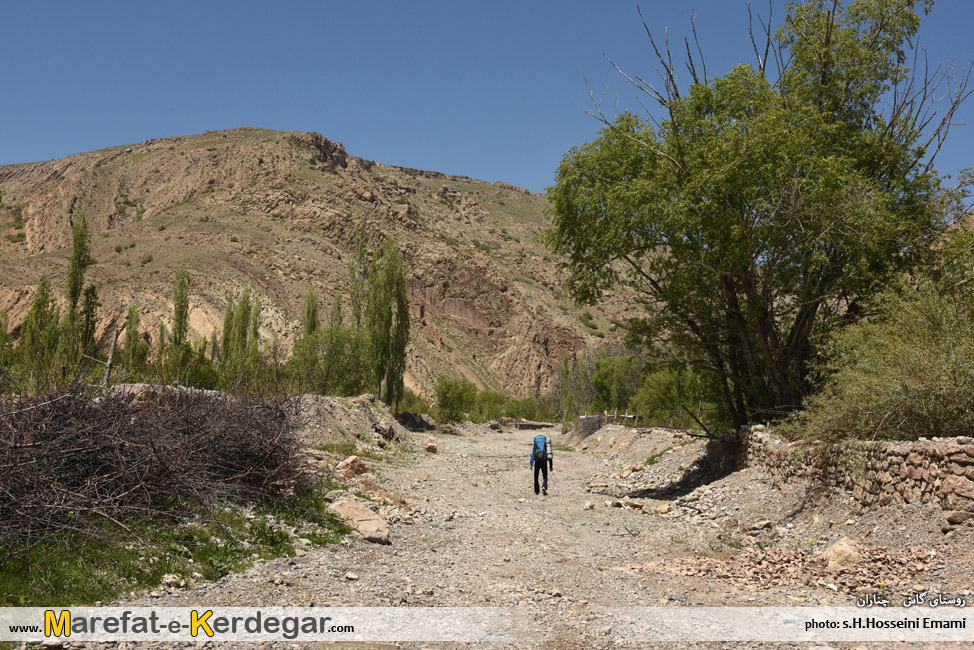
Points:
(541, 449)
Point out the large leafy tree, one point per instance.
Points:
(752, 215)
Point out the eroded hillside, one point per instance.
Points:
(277, 211)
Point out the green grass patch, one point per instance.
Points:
(562, 447)
(652, 460)
(71, 569)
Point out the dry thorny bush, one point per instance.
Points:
(73, 461)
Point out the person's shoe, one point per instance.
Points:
(544, 490)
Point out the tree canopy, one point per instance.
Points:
(753, 215)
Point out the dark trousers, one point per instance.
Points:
(543, 468)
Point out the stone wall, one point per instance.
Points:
(939, 471)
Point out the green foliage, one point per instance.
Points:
(309, 312)
(905, 373)
(526, 408)
(387, 320)
(358, 269)
(488, 405)
(135, 350)
(79, 262)
(6, 341)
(215, 542)
(455, 396)
(908, 370)
(615, 381)
(669, 395)
(89, 307)
(575, 391)
(413, 403)
(334, 360)
(588, 320)
(40, 334)
(180, 301)
(758, 216)
(369, 353)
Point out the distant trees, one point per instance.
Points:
(455, 397)
(309, 313)
(53, 346)
(615, 381)
(369, 352)
(135, 351)
(331, 360)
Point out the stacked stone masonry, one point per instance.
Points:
(879, 473)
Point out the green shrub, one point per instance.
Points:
(678, 396)
(454, 397)
(413, 403)
(145, 259)
(615, 381)
(905, 373)
(488, 405)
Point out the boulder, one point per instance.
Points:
(384, 427)
(416, 421)
(430, 445)
(371, 526)
(352, 466)
(842, 554)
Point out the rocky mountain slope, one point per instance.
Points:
(276, 212)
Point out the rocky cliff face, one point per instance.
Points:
(277, 212)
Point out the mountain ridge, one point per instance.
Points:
(277, 211)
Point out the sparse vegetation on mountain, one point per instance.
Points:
(757, 216)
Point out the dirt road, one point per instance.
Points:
(478, 536)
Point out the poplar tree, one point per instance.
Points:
(80, 261)
(40, 333)
(180, 301)
(358, 270)
(309, 312)
(5, 339)
(89, 307)
(135, 350)
(387, 320)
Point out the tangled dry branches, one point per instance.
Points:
(72, 461)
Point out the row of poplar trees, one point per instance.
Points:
(347, 355)
(367, 350)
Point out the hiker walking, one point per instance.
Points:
(541, 461)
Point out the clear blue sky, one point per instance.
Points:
(493, 90)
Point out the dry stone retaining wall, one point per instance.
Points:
(880, 473)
